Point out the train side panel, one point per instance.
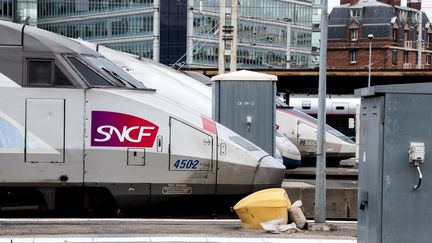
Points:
(41, 136)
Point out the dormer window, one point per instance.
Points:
(356, 12)
(403, 15)
(353, 30)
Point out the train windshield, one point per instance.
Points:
(280, 103)
(114, 71)
(91, 68)
(314, 121)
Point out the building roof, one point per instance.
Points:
(376, 18)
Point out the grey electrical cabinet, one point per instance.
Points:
(244, 101)
(395, 204)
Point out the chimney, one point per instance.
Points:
(351, 2)
(394, 2)
(416, 4)
(391, 2)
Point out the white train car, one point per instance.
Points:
(340, 110)
(175, 84)
(182, 89)
(77, 132)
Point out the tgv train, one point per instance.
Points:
(302, 128)
(340, 110)
(175, 84)
(77, 131)
(181, 88)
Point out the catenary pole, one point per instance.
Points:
(234, 17)
(221, 54)
(320, 183)
(420, 40)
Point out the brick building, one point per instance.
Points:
(395, 31)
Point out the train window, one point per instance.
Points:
(116, 72)
(60, 79)
(340, 108)
(88, 74)
(306, 104)
(46, 73)
(39, 73)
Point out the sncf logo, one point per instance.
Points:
(121, 130)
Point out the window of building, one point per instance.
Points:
(353, 56)
(428, 59)
(45, 73)
(353, 34)
(394, 57)
(356, 12)
(395, 36)
(405, 57)
(406, 35)
(429, 40)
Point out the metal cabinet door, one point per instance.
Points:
(407, 214)
(370, 170)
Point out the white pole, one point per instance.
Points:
(288, 52)
(189, 28)
(419, 41)
(156, 31)
(221, 57)
(370, 62)
(234, 17)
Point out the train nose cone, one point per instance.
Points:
(348, 149)
(270, 173)
(290, 154)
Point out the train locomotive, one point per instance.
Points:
(298, 127)
(75, 128)
(183, 89)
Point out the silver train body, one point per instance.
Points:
(335, 105)
(73, 121)
(174, 84)
(183, 89)
(340, 110)
(301, 128)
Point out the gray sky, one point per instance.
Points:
(426, 6)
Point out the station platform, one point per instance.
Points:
(341, 191)
(159, 230)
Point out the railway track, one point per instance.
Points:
(332, 173)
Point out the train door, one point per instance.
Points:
(199, 170)
(41, 133)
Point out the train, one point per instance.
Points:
(182, 89)
(302, 128)
(295, 125)
(340, 110)
(77, 132)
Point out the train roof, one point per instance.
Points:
(33, 39)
